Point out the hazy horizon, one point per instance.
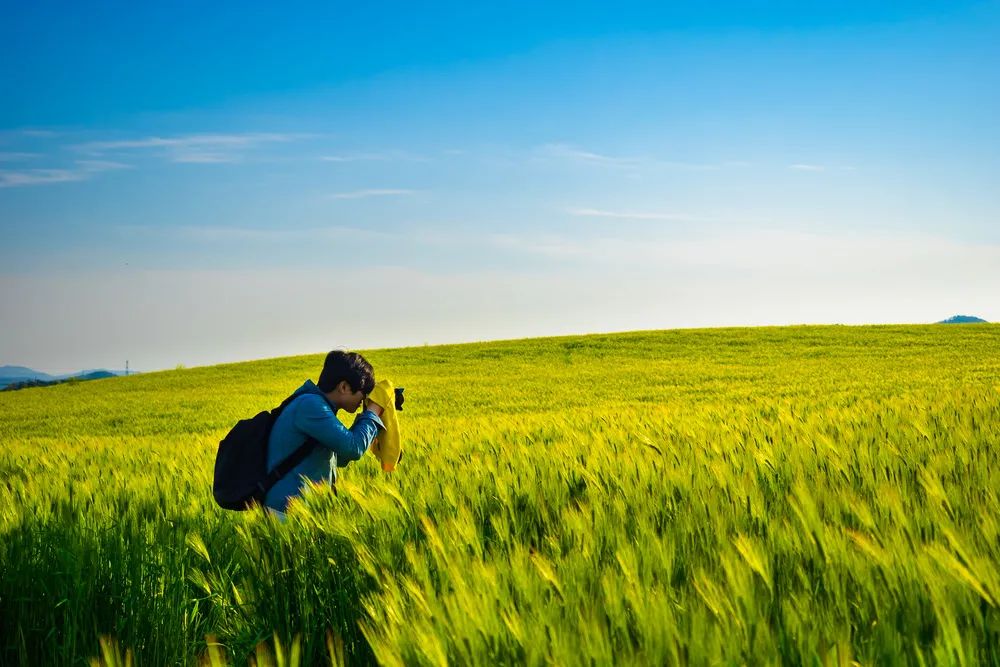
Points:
(133, 369)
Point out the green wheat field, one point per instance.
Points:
(793, 495)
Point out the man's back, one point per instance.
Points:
(311, 414)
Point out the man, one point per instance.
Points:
(345, 381)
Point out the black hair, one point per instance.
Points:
(349, 366)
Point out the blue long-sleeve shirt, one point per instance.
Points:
(311, 414)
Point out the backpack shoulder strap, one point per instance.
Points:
(285, 467)
(275, 412)
(293, 459)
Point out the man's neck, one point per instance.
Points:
(333, 403)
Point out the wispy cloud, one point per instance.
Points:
(209, 234)
(631, 215)
(806, 167)
(379, 156)
(33, 132)
(188, 141)
(16, 157)
(358, 157)
(204, 157)
(101, 165)
(83, 170)
(579, 155)
(364, 194)
(549, 245)
(14, 179)
(696, 166)
(191, 148)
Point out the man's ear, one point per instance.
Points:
(344, 387)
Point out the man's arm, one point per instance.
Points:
(314, 417)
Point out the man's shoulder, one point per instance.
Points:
(311, 401)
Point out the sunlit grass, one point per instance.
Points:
(797, 495)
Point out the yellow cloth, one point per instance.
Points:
(386, 446)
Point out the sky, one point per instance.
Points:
(198, 183)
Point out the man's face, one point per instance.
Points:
(355, 397)
(352, 399)
(345, 398)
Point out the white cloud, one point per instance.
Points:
(16, 157)
(30, 132)
(211, 234)
(579, 155)
(360, 157)
(549, 245)
(574, 154)
(102, 165)
(191, 148)
(203, 157)
(83, 170)
(187, 141)
(14, 179)
(363, 194)
(807, 167)
(631, 215)
(380, 156)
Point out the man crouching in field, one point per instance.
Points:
(345, 381)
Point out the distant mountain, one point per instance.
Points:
(94, 374)
(20, 376)
(962, 319)
(24, 373)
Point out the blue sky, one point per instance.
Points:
(183, 184)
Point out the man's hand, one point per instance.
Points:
(374, 407)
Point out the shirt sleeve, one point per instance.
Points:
(314, 417)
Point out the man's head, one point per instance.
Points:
(346, 379)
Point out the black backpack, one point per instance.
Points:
(241, 476)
